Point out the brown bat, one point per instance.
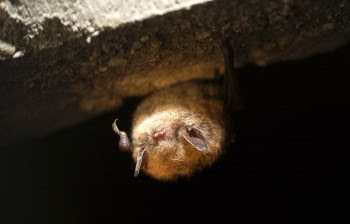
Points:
(182, 129)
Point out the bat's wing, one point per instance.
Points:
(233, 102)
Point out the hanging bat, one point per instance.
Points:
(182, 129)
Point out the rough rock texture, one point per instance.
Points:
(66, 61)
(40, 24)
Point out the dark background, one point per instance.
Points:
(288, 164)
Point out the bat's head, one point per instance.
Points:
(174, 144)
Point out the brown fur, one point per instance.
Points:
(181, 129)
(159, 120)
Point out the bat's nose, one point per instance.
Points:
(159, 135)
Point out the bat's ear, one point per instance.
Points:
(195, 137)
(139, 161)
(124, 142)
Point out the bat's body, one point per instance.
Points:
(182, 129)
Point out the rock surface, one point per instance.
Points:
(66, 61)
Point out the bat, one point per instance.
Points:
(183, 129)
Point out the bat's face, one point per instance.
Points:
(173, 144)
